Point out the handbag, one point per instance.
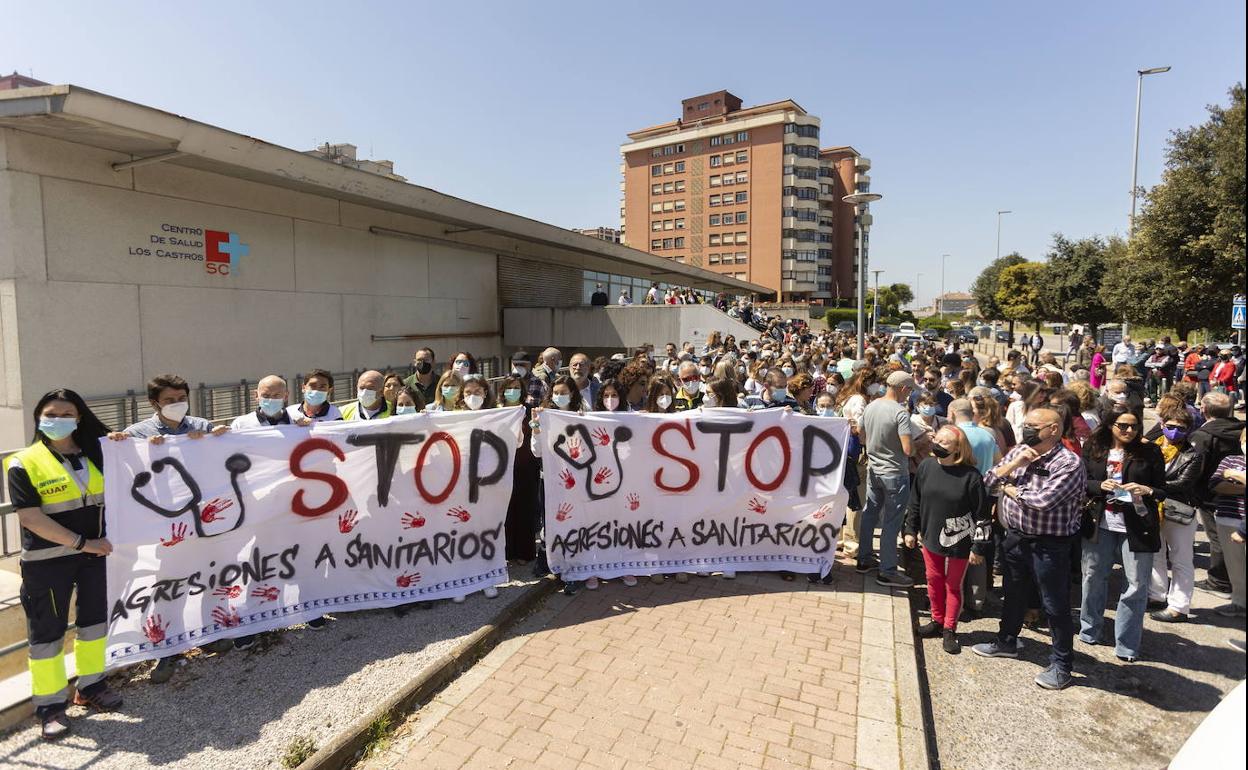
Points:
(1090, 518)
(1177, 511)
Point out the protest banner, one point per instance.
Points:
(640, 494)
(255, 530)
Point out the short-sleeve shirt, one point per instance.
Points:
(884, 422)
(983, 445)
(154, 426)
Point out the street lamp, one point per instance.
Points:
(875, 303)
(861, 200)
(918, 279)
(1135, 153)
(999, 213)
(942, 285)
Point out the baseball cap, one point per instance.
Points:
(900, 380)
(521, 356)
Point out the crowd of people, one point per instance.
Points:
(1042, 472)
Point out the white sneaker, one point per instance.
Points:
(592, 584)
(490, 592)
(729, 574)
(629, 580)
(459, 599)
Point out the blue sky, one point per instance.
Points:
(964, 108)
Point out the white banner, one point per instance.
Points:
(639, 494)
(249, 531)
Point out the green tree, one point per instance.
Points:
(985, 287)
(1186, 260)
(1018, 292)
(902, 292)
(1070, 290)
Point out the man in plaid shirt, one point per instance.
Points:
(1042, 487)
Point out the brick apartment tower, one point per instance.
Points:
(746, 192)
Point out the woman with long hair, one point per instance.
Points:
(1184, 468)
(56, 486)
(449, 385)
(1126, 481)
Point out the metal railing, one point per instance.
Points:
(217, 403)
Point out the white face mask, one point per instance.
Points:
(788, 371)
(611, 403)
(366, 396)
(405, 409)
(876, 389)
(709, 400)
(461, 367)
(705, 370)
(561, 400)
(474, 401)
(175, 411)
(663, 401)
(520, 371)
(692, 388)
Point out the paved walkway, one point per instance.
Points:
(751, 673)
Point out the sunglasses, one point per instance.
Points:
(1127, 425)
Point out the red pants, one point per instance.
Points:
(944, 587)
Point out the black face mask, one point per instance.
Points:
(423, 367)
(940, 452)
(1031, 436)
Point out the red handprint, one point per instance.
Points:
(265, 593)
(822, 512)
(602, 475)
(413, 522)
(634, 502)
(214, 506)
(406, 581)
(229, 592)
(567, 479)
(348, 520)
(574, 447)
(153, 630)
(602, 437)
(564, 513)
(226, 617)
(757, 506)
(459, 513)
(177, 533)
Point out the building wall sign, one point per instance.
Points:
(221, 252)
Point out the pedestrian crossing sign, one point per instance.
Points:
(1237, 317)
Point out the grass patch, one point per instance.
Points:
(298, 751)
(377, 737)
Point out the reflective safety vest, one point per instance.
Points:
(353, 411)
(60, 498)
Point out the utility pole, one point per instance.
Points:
(875, 306)
(942, 285)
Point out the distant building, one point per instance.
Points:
(609, 234)
(954, 303)
(746, 192)
(15, 81)
(344, 155)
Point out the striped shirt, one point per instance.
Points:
(1051, 492)
(1228, 510)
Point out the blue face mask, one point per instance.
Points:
(927, 410)
(512, 395)
(272, 406)
(779, 394)
(315, 397)
(448, 392)
(827, 411)
(57, 428)
(405, 409)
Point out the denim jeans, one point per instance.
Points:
(887, 497)
(1098, 560)
(1039, 564)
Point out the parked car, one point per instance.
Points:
(931, 335)
(910, 337)
(1003, 335)
(964, 336)
(906, 328)
(886, 329)
(847, 327)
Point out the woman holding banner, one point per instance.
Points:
(57, 488)
(565, 395)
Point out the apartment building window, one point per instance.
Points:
(680, 185)
(656, 189)
(715, 181)
(668, 169)
(716, 141)
(669, 187)
(713, 259)
(713, 239)
(826, 171)
(802, 193)
(729, 159)
(741, 217)
(656, 225)
(801, 255)
(825, 253)
(667, 224)
(680, 166)
(714, 201)
(743, 238)
(727, 239)
(680, 244)
(742, 197)
(810, 132)
(743, 157)
(669, 150)
(657, 152)
(823, 222)
(680, 205)
(803, 236)
(825, 189)
(716, 161)
(713, 219)
(728, 139)
(728, 178)
(680, 224)
(680, 148)
(656, 208)
(656, 244)
(863, 187)
(801, 150)
(667, 243)
(669, 206)
(742, 258)
(743, 177)
(656, 171)
(743, 136)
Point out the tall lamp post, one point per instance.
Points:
(999, 213)
(918, 279)
(875, 301)
(942, 285)
(862, 202)
(1135, 153)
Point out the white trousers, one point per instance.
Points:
(1177, 543)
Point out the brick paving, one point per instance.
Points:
(751, 673)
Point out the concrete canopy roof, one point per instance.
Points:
(75, 114)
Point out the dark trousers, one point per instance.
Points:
(1043, 564)
(46, 592)
(1217, 574)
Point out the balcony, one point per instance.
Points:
(790, 284)
(862, 163)
(861, 179)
